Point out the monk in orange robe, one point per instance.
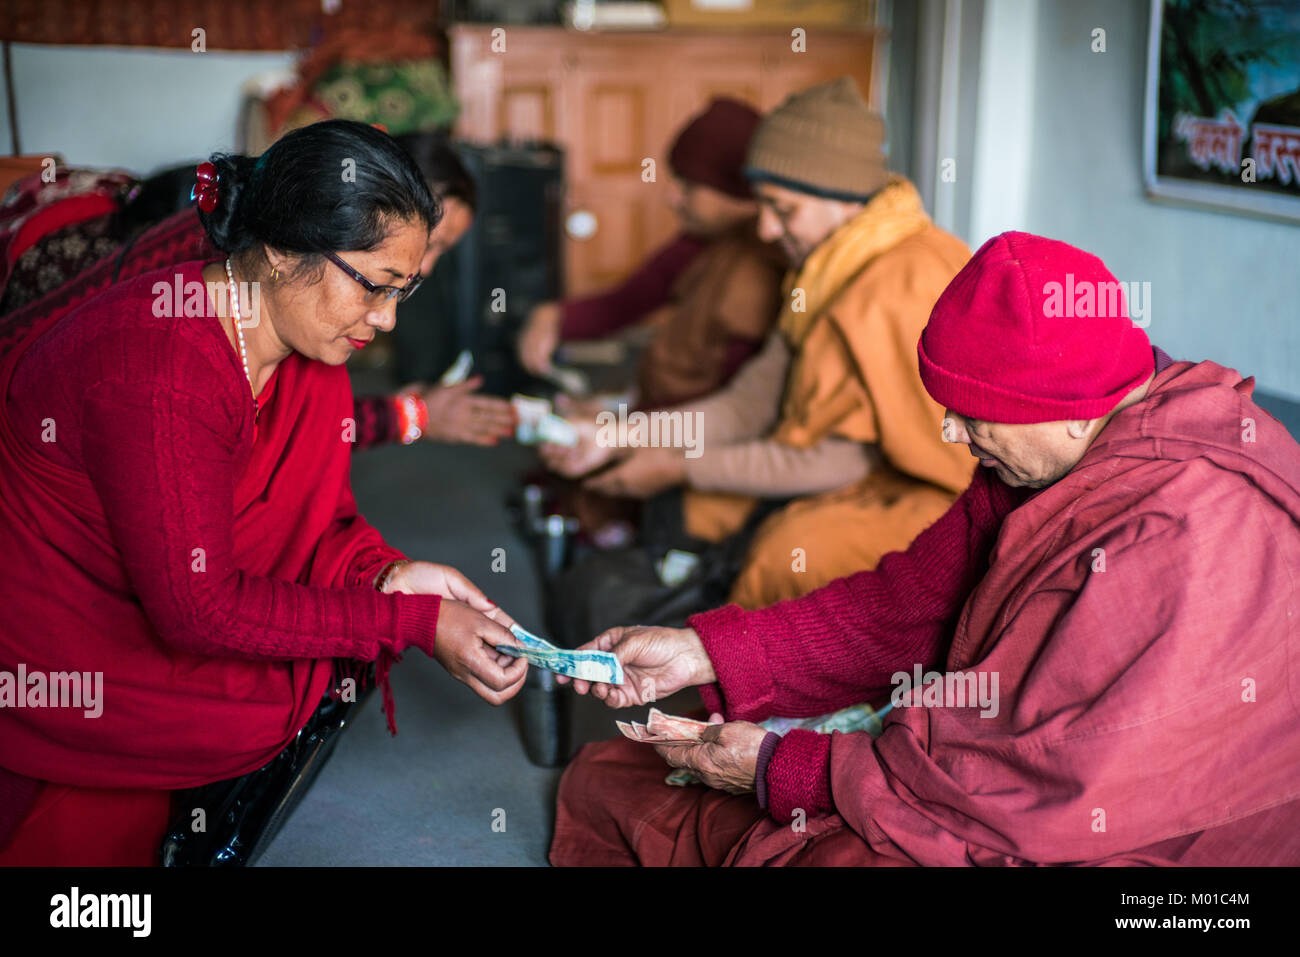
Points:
(831, 412)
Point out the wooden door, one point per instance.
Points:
(615, 167)
(614, 101)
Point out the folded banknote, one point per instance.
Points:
(601, 666)
(858, 717)
(538, 423)
(660, 728)
(459, 370)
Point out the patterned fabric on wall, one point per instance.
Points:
(227, 24)
(404, 97)
(394, 78)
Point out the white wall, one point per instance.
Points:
(1005, 115)
(134, 108)
(1059, 153)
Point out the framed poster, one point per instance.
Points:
(1222, 121)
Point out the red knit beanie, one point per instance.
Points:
(711, 149)
(1032, 330)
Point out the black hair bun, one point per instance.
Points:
(224, 224)
(327, 187)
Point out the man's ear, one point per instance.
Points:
(847, 210)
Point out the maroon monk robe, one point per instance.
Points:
(207, 673)
(1141, 615)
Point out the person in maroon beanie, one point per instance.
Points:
(176, 480)
(716, 288)
(1122, 572)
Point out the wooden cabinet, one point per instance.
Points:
(615, 100)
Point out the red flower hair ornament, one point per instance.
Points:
(205, 187)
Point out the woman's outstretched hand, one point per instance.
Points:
(656, 663)
(466, 643)
(429, 578)
(470, 627)
(457, 413)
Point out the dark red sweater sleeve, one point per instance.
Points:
(822, 652)
(376, 421)
(594, 317)
(162, 462)
(818, 653)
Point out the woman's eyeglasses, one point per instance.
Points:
(377, 295)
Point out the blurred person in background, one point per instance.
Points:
(831, 413)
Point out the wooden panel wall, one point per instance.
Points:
(615, 100)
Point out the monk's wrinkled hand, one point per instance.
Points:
(643, 474)
(656, 663)
(465, 644)
(726, 757)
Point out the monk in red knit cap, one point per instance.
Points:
(1122, 575)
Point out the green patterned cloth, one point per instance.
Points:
(405, 96)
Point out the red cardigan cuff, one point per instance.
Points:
(799, 776)
(417, 620)
(739, 661)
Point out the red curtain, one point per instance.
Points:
(227, 24)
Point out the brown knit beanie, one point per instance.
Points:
(824, 141)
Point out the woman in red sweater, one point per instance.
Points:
(177, 483)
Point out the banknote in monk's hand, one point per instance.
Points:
(602, 666)
(538, 424)
(660, 728)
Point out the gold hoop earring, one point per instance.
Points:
(275, 273)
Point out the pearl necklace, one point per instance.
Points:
(239, 326)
